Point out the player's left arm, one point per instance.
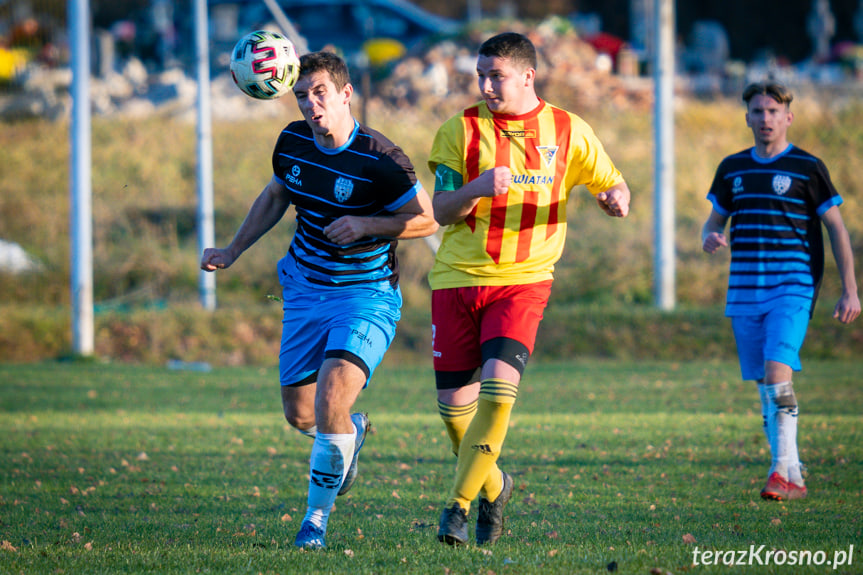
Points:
(848, 307)
(615, 200)
(414, 219)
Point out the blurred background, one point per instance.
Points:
(413, 65)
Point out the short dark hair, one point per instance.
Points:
(516, 47)
(775, 90)
(326, 62)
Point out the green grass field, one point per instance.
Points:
(626, 466)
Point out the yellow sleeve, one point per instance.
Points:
(448, 146)
(598, 172)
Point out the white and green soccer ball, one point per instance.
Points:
(265, 65)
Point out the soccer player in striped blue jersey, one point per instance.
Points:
(777, 196)
(355, 194)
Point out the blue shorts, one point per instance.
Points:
(356, 324)
(774, 336)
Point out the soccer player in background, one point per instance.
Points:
(355, 194)
(504, 169)
(777, 197)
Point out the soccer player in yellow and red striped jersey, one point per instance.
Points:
(504, 169)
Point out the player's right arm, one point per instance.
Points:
(266, 211)
(713, 232)
(453, 202)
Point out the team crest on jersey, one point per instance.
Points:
(781, 184)
(737, 186)
(343, 189)
(547, 153)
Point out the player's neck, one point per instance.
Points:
(767, 150)
(339, 135)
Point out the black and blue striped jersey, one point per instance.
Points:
(777, 246)
(368, 176)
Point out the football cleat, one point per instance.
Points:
(797, 491)
(489, 523)
(361, 422)
(453, 525)
(776, 488)
(310, 537)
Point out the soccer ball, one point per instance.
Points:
(265, 65)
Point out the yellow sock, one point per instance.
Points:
(456, 419)
(482, 442)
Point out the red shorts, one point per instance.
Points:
(464, 318)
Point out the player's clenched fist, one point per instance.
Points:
(216, 259)
(497, 180)
(615, 201)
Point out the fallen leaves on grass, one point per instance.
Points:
(6, 546)
(688, 538)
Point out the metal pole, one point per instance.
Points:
(80, 184)
(284, 23)
(664, 256)
(206, 220)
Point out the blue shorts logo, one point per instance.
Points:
(363, 337)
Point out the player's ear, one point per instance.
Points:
(348, 91)
(529, 76)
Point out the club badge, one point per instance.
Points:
(343, 189)
(781, 184)
(547, 153)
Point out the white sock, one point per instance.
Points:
(782, 428)
(331, 455)
(795, 469)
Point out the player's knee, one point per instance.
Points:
(782, 394)
(298, 420)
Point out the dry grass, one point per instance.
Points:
(144, 204)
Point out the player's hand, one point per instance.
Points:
(614, 202)
(847, 308)
(346, 230)
(216, 259)
(496, 181)
(713, 241)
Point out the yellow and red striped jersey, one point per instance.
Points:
(515, 238)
